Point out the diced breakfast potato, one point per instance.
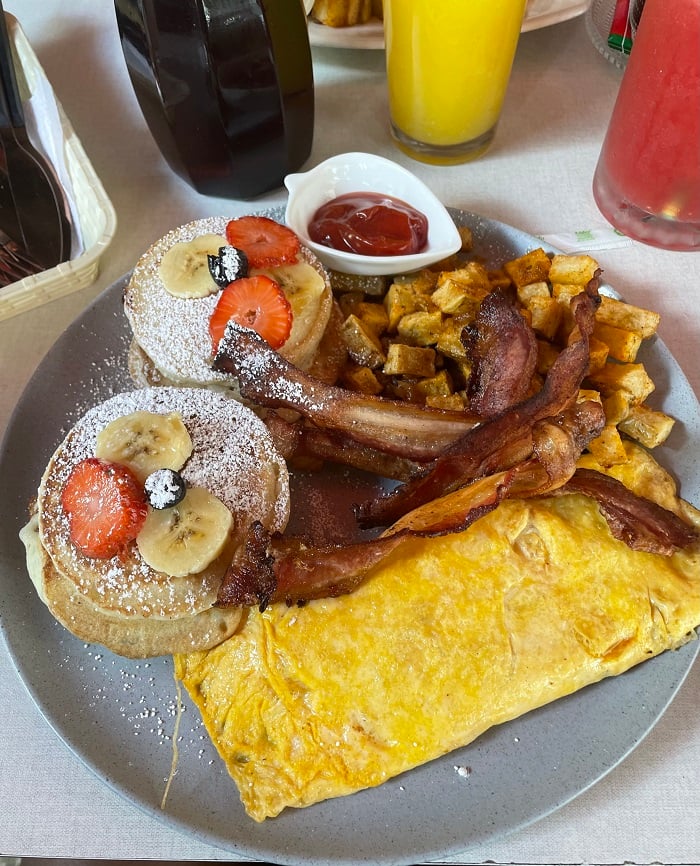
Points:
(400, 300)
(648, 426)
(631, 378)
(608, 448)
(533, 267)
(421, 328)
(373, 314)
(403, 360)
(363, 344)
(619, 314)
(545, 315)
(577, 270)
(539, 289)
(405, 340)
(622, 344)
(359, 378)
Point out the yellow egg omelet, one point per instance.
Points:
(446, 638)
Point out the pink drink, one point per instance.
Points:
(647, 182)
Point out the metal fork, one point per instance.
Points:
(15, 262)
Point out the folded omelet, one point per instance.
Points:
(448, 637)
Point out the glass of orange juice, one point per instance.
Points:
(647, 181)
(448, 66)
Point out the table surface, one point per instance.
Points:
(537, 176)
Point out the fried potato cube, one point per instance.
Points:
(597, 354)
(533, 267)
(631, 378)
(362, 379)
(539, 289)
(472, 274)
(451, 402)
(363, 344)
(617, 406)
(622, 315)
(608, 448)
(564, 292)
(422, 328)
(622, 344)
(449, 341)
(439, 385)
(422, 282)
(545, 315)
(367, 284)
(400, 300)
(461, 291)
(499, 279)
(403, 360)
(648, 426)
(373, 314)
(577, 270)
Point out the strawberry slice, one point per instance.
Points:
(256, 302)
(265, 242)
(106, 507)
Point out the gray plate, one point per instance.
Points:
(520, 771)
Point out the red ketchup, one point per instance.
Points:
(371, 224)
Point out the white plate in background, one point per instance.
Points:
(539, 13)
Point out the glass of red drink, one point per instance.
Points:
(647, 181)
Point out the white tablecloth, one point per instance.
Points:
(537, 176)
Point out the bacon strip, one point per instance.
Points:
(502, 441)
(503, 349)
(277, 568)
(393, 426)
(639, 522)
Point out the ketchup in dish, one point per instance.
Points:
(371, 224)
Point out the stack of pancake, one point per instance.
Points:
(122, 602)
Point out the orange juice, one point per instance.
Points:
(448, 65)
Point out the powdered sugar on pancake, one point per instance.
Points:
(173, 332)
(233, 457)
(231, 445)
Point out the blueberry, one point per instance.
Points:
(164, 488)
(231, 264)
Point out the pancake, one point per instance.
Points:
(171, 334)
(122, 602)
(448, 637)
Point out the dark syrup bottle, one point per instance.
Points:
(225, 86)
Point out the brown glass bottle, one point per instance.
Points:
(225, 86)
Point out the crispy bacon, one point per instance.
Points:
(502, 347)
(502, 441)
(639, 522)
(393, 426)
(278, 568)
(275, 568)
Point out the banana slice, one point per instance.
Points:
(145, 441)
(184, 539)
(306, 291)
(184, 269)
